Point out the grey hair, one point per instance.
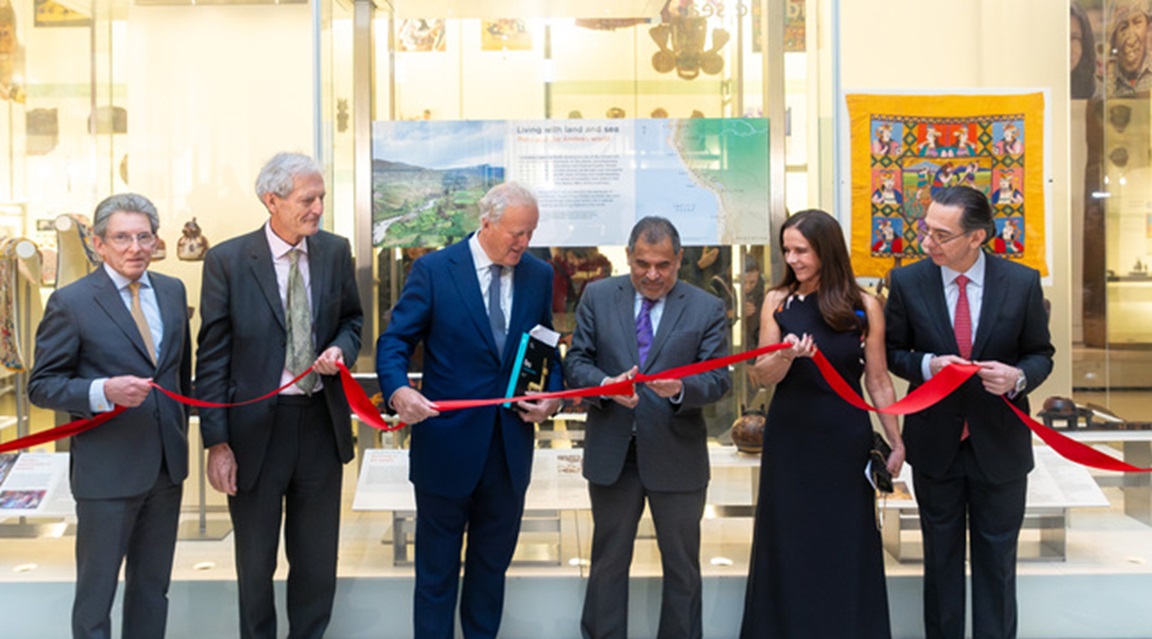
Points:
(502, 196)
(654, 230)
(279, 174)
(123, 203)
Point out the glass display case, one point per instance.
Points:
(182, 101)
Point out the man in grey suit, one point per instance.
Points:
(273, 303)
(102, 339)
(651, 445)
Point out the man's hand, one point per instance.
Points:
(628, 401)
(998, 378)
(937, 364)
(127, 390)
(326, 363)
(411, 406)
(537, 411)
(666, 388)
(222, 468)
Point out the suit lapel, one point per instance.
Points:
(995, 292)
(624, 304)
(172, 314)
(260, 262)
(932, 290)
(520, 318)
(462, 271)
(106, 296)
(317, 260)
(674, 305)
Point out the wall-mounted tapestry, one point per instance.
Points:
(904, 148)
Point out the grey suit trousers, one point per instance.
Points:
(142, 530)
(616, 512)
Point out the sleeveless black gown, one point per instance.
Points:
(817, 569)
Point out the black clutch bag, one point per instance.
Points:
(878, 464)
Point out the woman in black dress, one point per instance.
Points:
(817, 567)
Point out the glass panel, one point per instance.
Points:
(61, 141)
(1110, 83)
(695, 60)
(166, 98)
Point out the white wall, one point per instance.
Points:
(941, 45)
(213, 92)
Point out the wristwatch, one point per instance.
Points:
(1021, 381)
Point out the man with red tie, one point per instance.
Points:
(970, 455)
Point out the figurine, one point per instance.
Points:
(192, 246)
(681, 41)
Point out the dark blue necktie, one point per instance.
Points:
(644, 328)
(495, 313)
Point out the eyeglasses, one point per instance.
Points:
(940, 238)
(124, 240)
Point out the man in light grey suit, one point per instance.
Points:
(102, 339)
(651, 445)
(274, 302)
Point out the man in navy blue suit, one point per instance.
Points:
(469, 304)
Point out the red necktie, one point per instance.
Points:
(962, 326)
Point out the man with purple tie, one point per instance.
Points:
(652, 445)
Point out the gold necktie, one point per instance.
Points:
(141, 321)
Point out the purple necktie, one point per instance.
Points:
(644, 328)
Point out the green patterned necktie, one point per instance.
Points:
(300, 353)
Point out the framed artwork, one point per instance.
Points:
(904, 148)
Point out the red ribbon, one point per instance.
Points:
(60, 432)
(936, 389)
(86, 424)
(1073, 450)
(626, 387)
(929, 393)
(948, 380)
(192, 401)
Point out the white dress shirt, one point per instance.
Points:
(483, 273)
(975, 293)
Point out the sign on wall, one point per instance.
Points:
(593, 178)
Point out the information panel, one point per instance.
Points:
(593, 178)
